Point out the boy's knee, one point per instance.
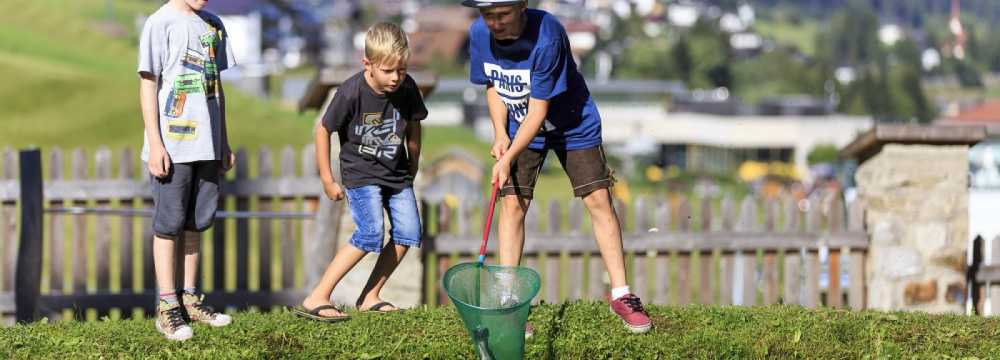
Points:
(514, 208)
(598, 199)
(368, 237)
(167, 227)
(407, 233)
(370, 241)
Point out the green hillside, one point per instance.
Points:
(69, 82)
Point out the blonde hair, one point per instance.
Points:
(385, 43)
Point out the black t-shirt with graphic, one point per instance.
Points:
(372, 131)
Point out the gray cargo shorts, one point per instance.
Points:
(185, 199)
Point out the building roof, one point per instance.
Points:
(427, 47)
(987, 112)
(871, 142)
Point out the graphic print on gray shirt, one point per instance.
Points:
(187, 52)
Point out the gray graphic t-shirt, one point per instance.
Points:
(187, 52)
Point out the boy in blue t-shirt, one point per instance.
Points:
(538, 101)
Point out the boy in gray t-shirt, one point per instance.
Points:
(181, 52)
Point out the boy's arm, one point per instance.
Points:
(159, 160)
(414, 131)
(330, 186)
(537, 110)
(498, 116)
(228, 156)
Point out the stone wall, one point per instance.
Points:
(916, 203)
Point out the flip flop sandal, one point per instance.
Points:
(314, 314)
(377, 308)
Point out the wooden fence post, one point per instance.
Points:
(428, 256)
(29, 258)
(242, 224)
(792, 294)
(8, 228)
(102, 245)
(57, 230)
(265, 240)
(320, 247)
(856, 291)
(992, 253)
(79, 225)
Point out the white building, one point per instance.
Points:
(715, 142)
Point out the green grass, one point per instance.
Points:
(801, 35)
(954, 92)
(571, 331)
(68, 84)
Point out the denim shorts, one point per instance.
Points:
(368, 204)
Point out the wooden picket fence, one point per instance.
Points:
(8, 232)
(983, 276)
(767, 252)
(90, 240)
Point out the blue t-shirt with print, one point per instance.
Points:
(538, 65)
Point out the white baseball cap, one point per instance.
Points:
(489, 3)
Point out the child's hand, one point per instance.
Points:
(159, 162)
(228, 159)
(333, 191)
(500, 145)
(501, 171)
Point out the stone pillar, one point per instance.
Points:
(916, 213)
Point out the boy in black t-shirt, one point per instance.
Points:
(377, 115)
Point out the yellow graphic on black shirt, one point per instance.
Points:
(371, 119)
(182, 130)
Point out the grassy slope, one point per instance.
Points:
(784, 31)
(576, 331)
(67, 84)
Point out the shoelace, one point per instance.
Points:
(175, 318)
(634, 303)
(202, 308)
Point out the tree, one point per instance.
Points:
(681, 55)
(921, 108)
(823, 153)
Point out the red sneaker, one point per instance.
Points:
(629, 308)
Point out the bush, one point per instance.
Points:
(825, 153)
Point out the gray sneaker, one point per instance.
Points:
(170, 322)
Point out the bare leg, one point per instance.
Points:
(192, 248)
(608, 233)
(164, 262)
(387, 262)
(346, 258)
(512, 211)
